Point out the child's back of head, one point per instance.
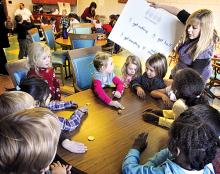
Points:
(15, 101)
(18, 18)
(37, 88)
(28, 141)
(208, 114)
(101, 60)
(193, 142)
(189, 86)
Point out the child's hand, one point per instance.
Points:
(84, 109)
(58, 168)
(140, 92)
(116, 94)
(140, 143)
(166, 100)
(74, 146)
(116, 104)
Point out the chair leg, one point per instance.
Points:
(62, 75)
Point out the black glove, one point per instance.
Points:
(154, 111)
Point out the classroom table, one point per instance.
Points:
(114, 133)
(66, 42)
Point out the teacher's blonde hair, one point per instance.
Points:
(208, 34)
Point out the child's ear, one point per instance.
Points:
(176, 152)
(102, 68)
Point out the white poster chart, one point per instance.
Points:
(144, 30)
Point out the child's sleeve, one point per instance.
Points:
(159, 158)
(135, 83)
(100, 92)
(131, 165)
(119, 84)
(74, 121)
(157, 84)
(179, 107)
(56, 105)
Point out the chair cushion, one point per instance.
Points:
(84, 30)
(35, 37)
(19, 75)
(83, 43)
(59, 57)
(84, 70)
(49, 36)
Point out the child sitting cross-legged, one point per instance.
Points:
(40, 91)
(192, 147)
(188, 88)
(104, 77)
(131, 70)
(152, 79)
(28, 142)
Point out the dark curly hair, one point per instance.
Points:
(189, 86)
(37, 87)
(193, 135)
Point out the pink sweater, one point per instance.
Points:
(98, 85)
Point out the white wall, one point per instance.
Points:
(15, 5)
(104, 7)
(107, 7)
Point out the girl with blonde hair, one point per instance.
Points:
(40, 66)
(131, 70)
(196, 48)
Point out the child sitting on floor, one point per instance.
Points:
(28, 142)
(152, 79)
(193, 145)
(188, 88)
(104, 76)
(40, 66)
(131, 70)
(40, 91)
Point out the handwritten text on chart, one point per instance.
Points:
(141, 27)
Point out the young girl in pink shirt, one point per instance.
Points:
(104, 76)
(131, 70)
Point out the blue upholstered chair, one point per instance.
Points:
(35, 37)
(82, 40)
(83, 28)
(82, 64)
(59, 57)
(17, 70)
